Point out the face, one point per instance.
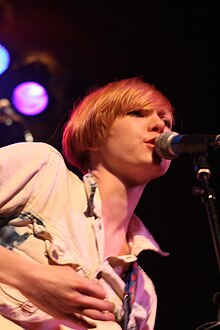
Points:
(129, 151)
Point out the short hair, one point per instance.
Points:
(91, 119)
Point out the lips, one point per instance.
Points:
(153, 135)
(151, 141)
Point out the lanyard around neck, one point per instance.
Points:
(130, 289)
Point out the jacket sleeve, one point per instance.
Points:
(22, 167)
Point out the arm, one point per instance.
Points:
(57, 290)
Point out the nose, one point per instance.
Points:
(156, 124)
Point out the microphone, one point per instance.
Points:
(170, 145)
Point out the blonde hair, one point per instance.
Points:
(91, 120)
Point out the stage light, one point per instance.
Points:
(4, 59)
(30, 98)
(32, 88)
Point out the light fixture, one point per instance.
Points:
(32, 84)
(4, 59)
(30, 98)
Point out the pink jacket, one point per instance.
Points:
(47, 212)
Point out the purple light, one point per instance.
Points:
(30, 98)
(4, 59)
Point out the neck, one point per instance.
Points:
(119, 200)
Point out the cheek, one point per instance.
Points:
(118, 139)
(117, 145)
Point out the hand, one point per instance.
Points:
(64, 294)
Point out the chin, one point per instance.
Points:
(164, 166)
(161, 166)
(161, 161)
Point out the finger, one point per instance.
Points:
(76, 319)
(98, 315)
(91, 288)
(86, 302)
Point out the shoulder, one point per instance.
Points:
(140, 238)
(28, 148)
(24, 152)
(27, 159)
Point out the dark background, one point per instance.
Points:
(174, 45)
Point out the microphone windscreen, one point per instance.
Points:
(163, 145)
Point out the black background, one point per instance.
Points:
(174, 45)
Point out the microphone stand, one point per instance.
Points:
(8, 116)
(207, 194)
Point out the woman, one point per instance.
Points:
(77, 242)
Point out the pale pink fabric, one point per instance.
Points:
(64, 229)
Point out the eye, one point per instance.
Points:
(136, 113)
(167, 122)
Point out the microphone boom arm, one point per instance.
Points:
(207, 194)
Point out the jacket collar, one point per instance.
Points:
(139, 237)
